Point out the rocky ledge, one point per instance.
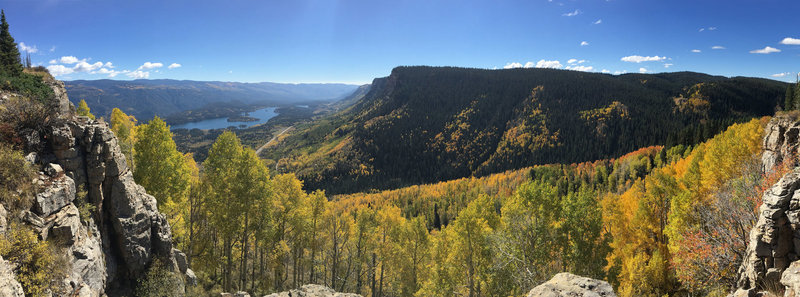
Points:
(569, 285)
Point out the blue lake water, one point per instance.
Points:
(263, 115)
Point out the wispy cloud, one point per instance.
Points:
(718, 47)
(584, 43)
(28, 49)
(642, 70)
(696, 50)
(70, 60)
(666, 65)
(148, 66)
(548, 64)
(709, 29)
(138, 74)
(781, 74)
(174, 65)
(640, 59)
(52, 48)
(580, 68)
(571, 14)
(766, 50)
(598, 22)
(790, 41)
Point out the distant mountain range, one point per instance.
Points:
(427, 124)
(164, 97)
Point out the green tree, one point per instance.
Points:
(124, 127)
(83, 110)
(160, 168)
(9, 54)
(788, 103)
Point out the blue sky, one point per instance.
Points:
(355, 41)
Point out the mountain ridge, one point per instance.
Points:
(440, 123)
(163, 97)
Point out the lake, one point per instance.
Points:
(263, 115)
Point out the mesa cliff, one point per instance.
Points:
(89, 205)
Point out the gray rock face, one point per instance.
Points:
(9, 287)
(791, 279)
(133, 231)
(312, 291)
(774, 241)
(780, 141)
(111, 247)
(569, 285)
(58, 194)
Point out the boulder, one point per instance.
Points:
(58, 194)
(570, 285)
(241, 294)
(53, 170)
(9, 286)
(312, 291)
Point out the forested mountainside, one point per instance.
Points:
(146, 98)
(426, 124)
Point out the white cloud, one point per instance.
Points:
(618, 72)
(508, 66)
(712, 28)
(701, 30)
(58, 70)
(666, 65)
(108, 65)
(111, 73)
(766, 50)
(584, 43)
(548, 64)
(639, 59)
(580, 68)
(572, 61)
(574, 13)
(29, 49)
(642, 70)
(70, 60)
(696, 51)
(790, 41)
(148, 66)
(718, 47)
(605, 71)
(138, 74)
(598, 22)
(174, 65)
(53, 61)
(529, 64)
(781, 74)
(86, 67)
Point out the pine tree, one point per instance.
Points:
(797, 95)
(788, 103)
(83, 110)
(9, 54)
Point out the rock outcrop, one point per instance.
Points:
(774, 241)
(9, 286)
(121, 232)
(569, 285)
(312, 291)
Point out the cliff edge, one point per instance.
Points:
(89, 205)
